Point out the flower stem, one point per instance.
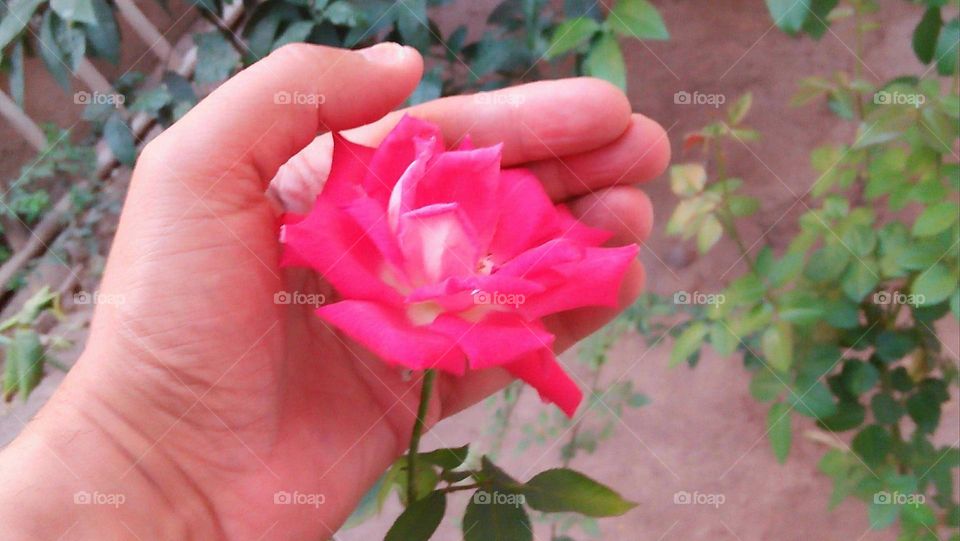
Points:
(426, 389)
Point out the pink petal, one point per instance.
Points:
(542, 371)
(408, 139)
(498, 338)
(542, 258)
(349, 166)
(527, 216)
(465, 292)
(468, 178)
(437, 242)
(594, 280)
(387, 332)
(331, 243)
(370, 215)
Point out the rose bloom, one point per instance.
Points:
(444, 260)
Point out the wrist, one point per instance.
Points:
(82, 470)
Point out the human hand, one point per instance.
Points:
(199, 397)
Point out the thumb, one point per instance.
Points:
(261, 117)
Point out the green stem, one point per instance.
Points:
(426, 389)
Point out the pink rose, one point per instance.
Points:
(444, 260)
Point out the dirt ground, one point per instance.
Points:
(702, 431)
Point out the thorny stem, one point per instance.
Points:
(426, 390)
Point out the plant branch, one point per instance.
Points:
(426, 390)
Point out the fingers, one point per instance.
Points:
(533, 121)
(641, 153)
(268, 112)
(628, 213)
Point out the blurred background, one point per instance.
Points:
(792, 374)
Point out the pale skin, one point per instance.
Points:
(197, 397)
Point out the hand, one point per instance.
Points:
(198, 397)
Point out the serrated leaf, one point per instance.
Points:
(571, 34)
(925, 35)
(120, 139)
(687, 179)
(946, 53)
(935, 219)
(564, 490)
(777, 346)
(934, 285)
(789, 15)
(688, 343)
(872, 444)
(420, 519)
(448, 458)
(104, 35)
(637, 19)
(605, 61)
(80, 11)
(15, 19)
(779, 430)
(216, 58)
(489, 518)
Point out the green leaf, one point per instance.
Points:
(766, 385)
(743, 205)
(786, 268)
(828, 263)
(935, 219)
(637, 19)
(882, 514)
(779, 430)
(27, 352)
(54, 58)
(605, 61)
(724, 342)
(777, 346)
(120, 139)
(789, 15)
(924, 409)
(739, 109)
(894, 345)
(448, 458)
(216, 58)
(420, 519)
(687, 179)
(859, 377)
(861, 278)
(812, 399)
(488, 517)
(15, 19)
(571, 34)
(563, 490)
(709, 233)
(80, 11)
(16, 74)
(872, 444)
(688, 343)
(886, 410)
(946, 52)
(849, 414)
(104, 35)
(934, 285)
(925, 35)
(860, 239)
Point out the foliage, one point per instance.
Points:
(840, 325)
(25, 354)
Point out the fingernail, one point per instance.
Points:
(387, 52)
